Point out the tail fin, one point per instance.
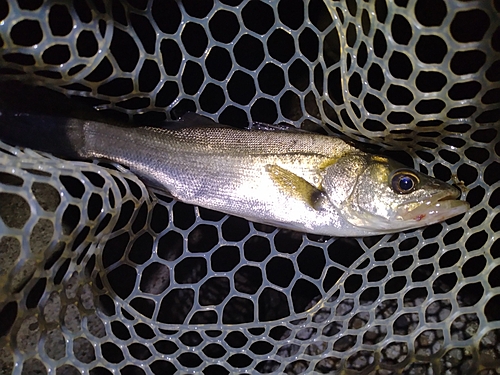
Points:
(57, 135)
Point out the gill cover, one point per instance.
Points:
(341, 178)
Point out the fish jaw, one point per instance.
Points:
(410, 215)
(441, 207)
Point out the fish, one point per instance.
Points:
(296, 180)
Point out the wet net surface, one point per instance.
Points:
(101, 276)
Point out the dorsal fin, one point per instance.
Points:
(274, 127)
(196, 120)
(189, 120)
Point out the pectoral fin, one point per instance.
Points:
(296, 186)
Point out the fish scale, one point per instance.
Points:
(295, 180)
(345, 57)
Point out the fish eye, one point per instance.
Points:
(404, 182)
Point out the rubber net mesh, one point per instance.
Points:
(100, 276)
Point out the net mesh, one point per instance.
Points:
(100, 276)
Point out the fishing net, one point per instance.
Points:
(98, 275)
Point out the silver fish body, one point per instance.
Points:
(296, 180)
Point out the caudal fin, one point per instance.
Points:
(56, 135)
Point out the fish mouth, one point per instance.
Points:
(441, 206)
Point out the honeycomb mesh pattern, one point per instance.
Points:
(100, 276)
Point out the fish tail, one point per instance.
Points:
(57, 135)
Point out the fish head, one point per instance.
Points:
(383, 196)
